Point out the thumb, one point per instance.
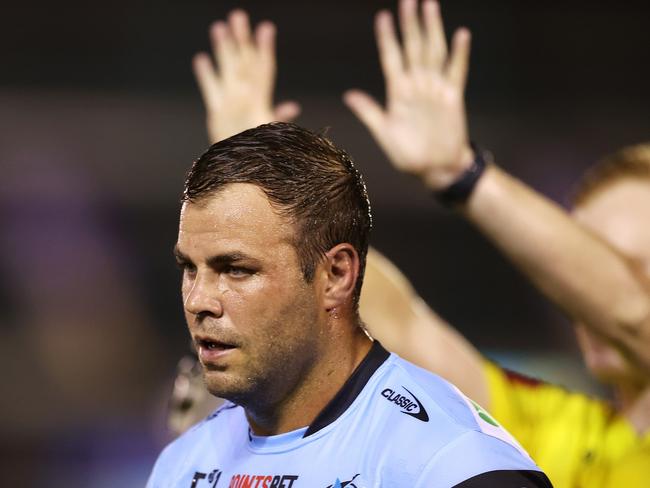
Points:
(366, 109)
(207, 79)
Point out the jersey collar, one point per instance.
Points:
(351, 389)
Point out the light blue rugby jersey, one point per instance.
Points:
(391, 425)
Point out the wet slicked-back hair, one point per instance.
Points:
(309, 181)
(628, 162)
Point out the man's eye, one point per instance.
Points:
(185, 266)
(237, 271)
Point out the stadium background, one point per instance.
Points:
(100, 119)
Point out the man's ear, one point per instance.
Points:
(341, 270)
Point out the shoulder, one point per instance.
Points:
(507, 479)
(441, 402)
(456, 439)
(477, 459)
(191, 445)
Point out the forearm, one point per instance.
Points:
(579, 272)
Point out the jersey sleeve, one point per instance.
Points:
(170, 463)
(507, 479)
(161, 470)
(468, 461)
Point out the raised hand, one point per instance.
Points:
(238, 90)
(423, 128)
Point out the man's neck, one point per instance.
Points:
(307, 400)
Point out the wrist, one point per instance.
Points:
(458, 189)
(440, 177)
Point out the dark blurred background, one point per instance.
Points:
(100, 119)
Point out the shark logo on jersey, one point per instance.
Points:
(409, 405)
(349, 484)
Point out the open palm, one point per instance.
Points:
(238, 90)
(423, 128)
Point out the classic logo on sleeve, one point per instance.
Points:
(409, 403)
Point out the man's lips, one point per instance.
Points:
(210, 349)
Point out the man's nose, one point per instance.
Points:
(203, 297)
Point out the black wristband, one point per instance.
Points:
(459, 191)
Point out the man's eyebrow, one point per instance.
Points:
(218, 260)
(228, 258)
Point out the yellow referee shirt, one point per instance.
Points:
(580, 442)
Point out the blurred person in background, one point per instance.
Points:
(595, 264)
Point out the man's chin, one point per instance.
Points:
(610, 374)
(606, 376)
(224, 385)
